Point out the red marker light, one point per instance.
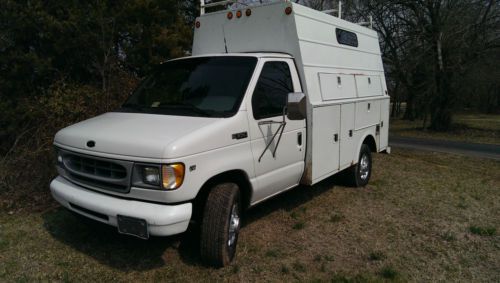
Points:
(197, 24)
(288, 10)
(239, 14)
(229, 15)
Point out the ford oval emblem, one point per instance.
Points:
(91, 143)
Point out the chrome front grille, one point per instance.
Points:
(97, 172)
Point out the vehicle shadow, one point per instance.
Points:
(293, 198)
(103, 243)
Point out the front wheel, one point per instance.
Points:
(220, 225)
(360, 174)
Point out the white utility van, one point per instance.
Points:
(274, 96)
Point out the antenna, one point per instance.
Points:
(331, 11)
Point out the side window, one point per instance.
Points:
(346, 37)
(269, 96)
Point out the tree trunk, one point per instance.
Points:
(395, 96)
(443, 103)
(409, 112)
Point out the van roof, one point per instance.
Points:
(244, 54)
(249, 54)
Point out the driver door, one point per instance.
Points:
(279, 161)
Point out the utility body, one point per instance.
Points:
(273, 96)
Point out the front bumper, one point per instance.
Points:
(163, 220)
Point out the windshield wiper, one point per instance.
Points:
(189, 107)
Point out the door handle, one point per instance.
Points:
(335, 138)
(350, 133)
(299, 138)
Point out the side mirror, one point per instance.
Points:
(296, 106)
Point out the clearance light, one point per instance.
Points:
(239, 14)
(198, 24)
(288, 10)
(248, 12)
(229, 15)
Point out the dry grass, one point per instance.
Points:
(477, 128)
(412, 223)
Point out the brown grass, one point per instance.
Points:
(412, 223)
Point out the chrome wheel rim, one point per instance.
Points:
(364, 167)
(234, 225)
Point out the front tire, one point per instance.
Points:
(220, 225)
(359, 174)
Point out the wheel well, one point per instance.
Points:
(370, 142)
(237, 176)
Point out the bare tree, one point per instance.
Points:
(429, 46)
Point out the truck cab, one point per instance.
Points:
(248, 116)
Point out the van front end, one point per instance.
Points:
(141, 167)
(132, 217)
(121, 193)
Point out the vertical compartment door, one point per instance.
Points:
(384, 124)
(326, 124)
(347, 140)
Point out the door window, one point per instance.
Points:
(270, 94)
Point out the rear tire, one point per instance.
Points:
(220, 225)
(359, 174)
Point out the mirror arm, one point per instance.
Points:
(283, 124)
(280, 130)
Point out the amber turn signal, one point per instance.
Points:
(239, 14)
(172, 175)
(248, 12)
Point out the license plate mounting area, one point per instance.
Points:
(133, 226)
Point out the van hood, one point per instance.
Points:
(130, 134)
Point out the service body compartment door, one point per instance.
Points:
(384, 124)
(337, 86)
(347, 144)
(368, 86)
(367, 114)
(325, 148)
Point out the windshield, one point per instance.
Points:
(203, 86)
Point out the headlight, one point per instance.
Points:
(151, 176)
(159, 177)
(172, 175)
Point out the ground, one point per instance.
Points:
(424, 217)
(467, 127)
